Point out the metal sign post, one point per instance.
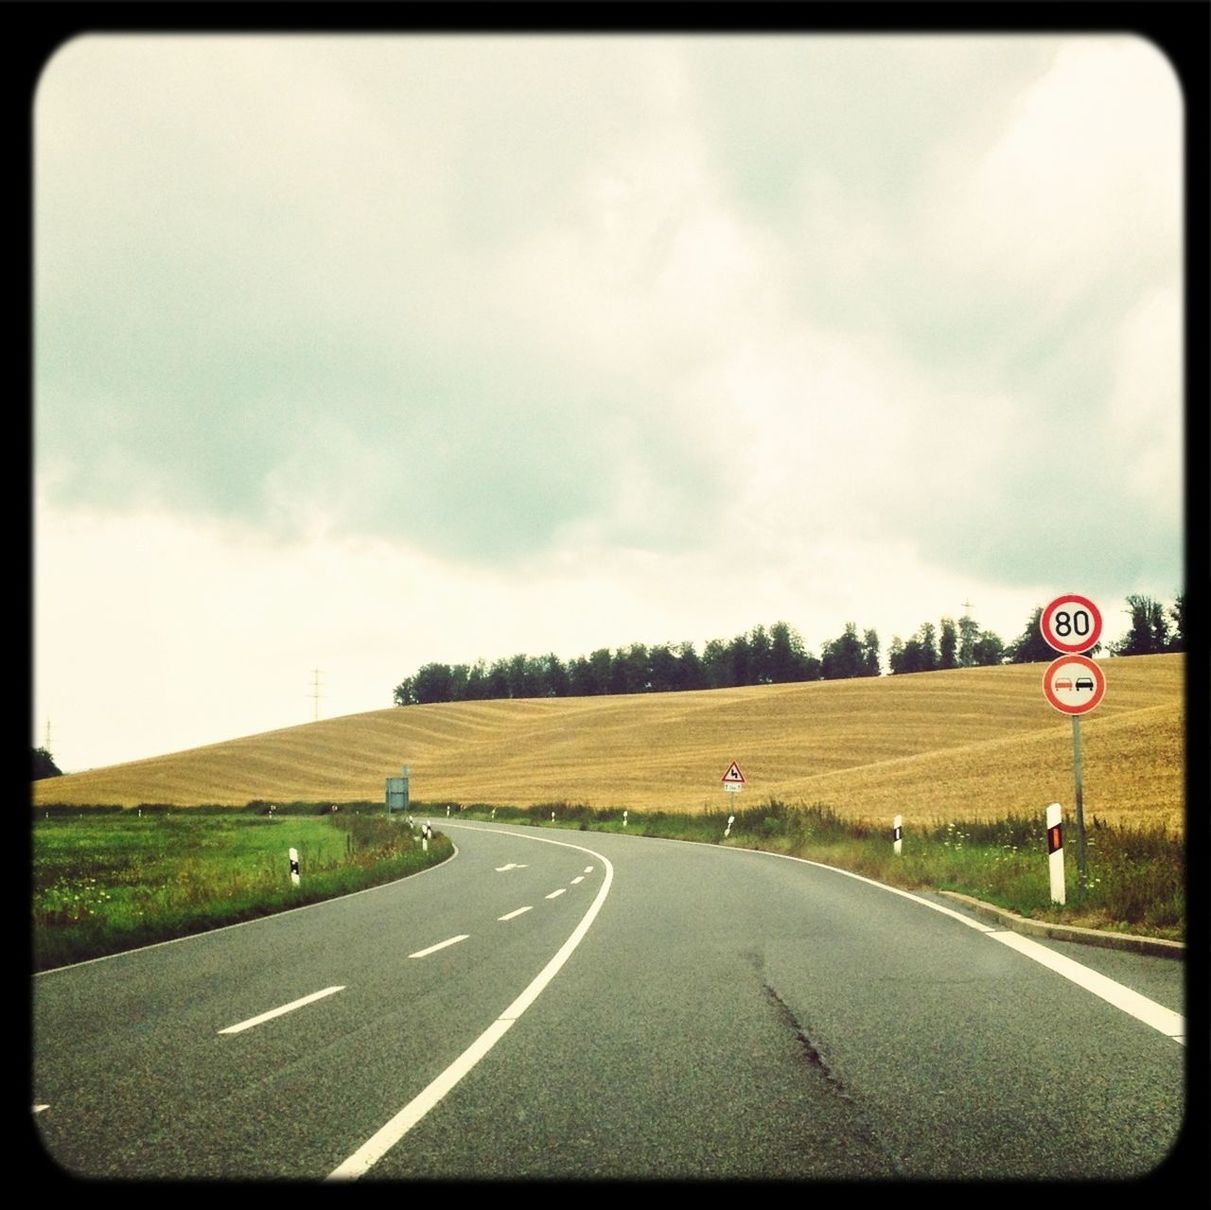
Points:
(1074, 685)
(398, 791)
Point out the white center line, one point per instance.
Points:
(578, 878)
(370, 1152)
(511, 915)
(556, 894)
(441, 945)
(277, 1012)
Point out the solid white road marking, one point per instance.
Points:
(441, 945)
(1171, 1024)
(578, 878)
(511, 915)
(277, 1012)
(380, 1143)
(556, 894)
(500, 869)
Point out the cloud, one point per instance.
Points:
(636, 338)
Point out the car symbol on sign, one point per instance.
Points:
(1085, 682)
(1063, 682)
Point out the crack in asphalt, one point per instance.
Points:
(857, 1116)
(809, 1049)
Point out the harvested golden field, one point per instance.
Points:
(966, 744)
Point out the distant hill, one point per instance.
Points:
(962, 744)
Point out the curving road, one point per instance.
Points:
(554, 1004)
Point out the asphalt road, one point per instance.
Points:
(556, 1004)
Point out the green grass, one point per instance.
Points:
(105, 881)
(1134, 878)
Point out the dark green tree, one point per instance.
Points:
(907, 657)
(969, 632)
(600, 662)
(760, 657)
(929, 650)
(1177, 611)
(1030, 647)
(690, 671)
(1149, 632)
(664, 667)
(987, 650)
(842, 657)
(629, 672)
(738, 661)
(581, 681)
(716, 664)
(948, 642)
(870, 654)
(553, 677)
(477, 682)
(44, 765)
(432, 683)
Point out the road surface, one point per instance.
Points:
(581, 1005)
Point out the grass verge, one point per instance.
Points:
(1134, 878)
(104, 881)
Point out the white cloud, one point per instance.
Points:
(604, 341)
(1146, 429)
(1082, 182)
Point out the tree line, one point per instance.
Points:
(768, 656)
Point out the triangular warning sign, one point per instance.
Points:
(733, 776)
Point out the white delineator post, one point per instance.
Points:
(294, 866)
(624, 819)
(1055, 852)
(426, 832)
(897, 831)
(731, 819)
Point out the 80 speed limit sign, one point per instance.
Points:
(1071, 624)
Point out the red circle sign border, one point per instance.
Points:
(1099, 680)
(1084, 644)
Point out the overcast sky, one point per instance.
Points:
(357, 353)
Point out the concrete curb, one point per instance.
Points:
(1156, 947)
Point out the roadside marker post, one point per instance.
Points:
(624, 819)
(1074, 685)
(294, 866)
(731, 819)
(897, 834)
(1055, 852)
(426, 832)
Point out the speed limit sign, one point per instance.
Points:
(1071, 624)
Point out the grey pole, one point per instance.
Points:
(1080, 803)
